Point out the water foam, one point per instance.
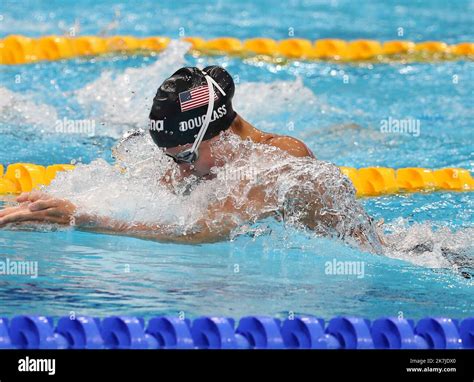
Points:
(120, 101)
(289, 101)
(301, 191)
(430, 245)
(23, 110)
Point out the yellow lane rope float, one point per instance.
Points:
(17, 49)
(368, 181)
(24, 177)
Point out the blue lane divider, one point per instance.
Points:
(261, 332)
(467, 333)
(126, 333)
(440, 333)
(305, 333)
(216, 333)
(81, 332)
(351, 332)
(35, 332)
(252, 332)
(171, 332)
(5, 341)
(396, 333)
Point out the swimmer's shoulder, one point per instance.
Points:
(291, 145)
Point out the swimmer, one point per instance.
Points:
(191, 111)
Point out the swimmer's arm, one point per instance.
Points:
(63, 212)
(216, 225)
(221, 218)
(202, 232)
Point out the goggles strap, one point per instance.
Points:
(210, 107)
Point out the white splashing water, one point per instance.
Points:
(431, 246)
(129, 191)
(290, 101)
(21, 109)
(299, 190)
(122, 101)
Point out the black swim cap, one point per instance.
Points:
(180, 106)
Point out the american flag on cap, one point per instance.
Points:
(194, 98)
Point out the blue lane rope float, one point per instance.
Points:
(252, 332)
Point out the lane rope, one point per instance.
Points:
(250, 332)
(368, 181)
(18, 49)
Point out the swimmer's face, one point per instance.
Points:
(204, 162)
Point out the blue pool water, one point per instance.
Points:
(336, 109)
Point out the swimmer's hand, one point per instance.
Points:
(39, 207)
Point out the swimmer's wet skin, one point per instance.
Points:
(192, 113)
